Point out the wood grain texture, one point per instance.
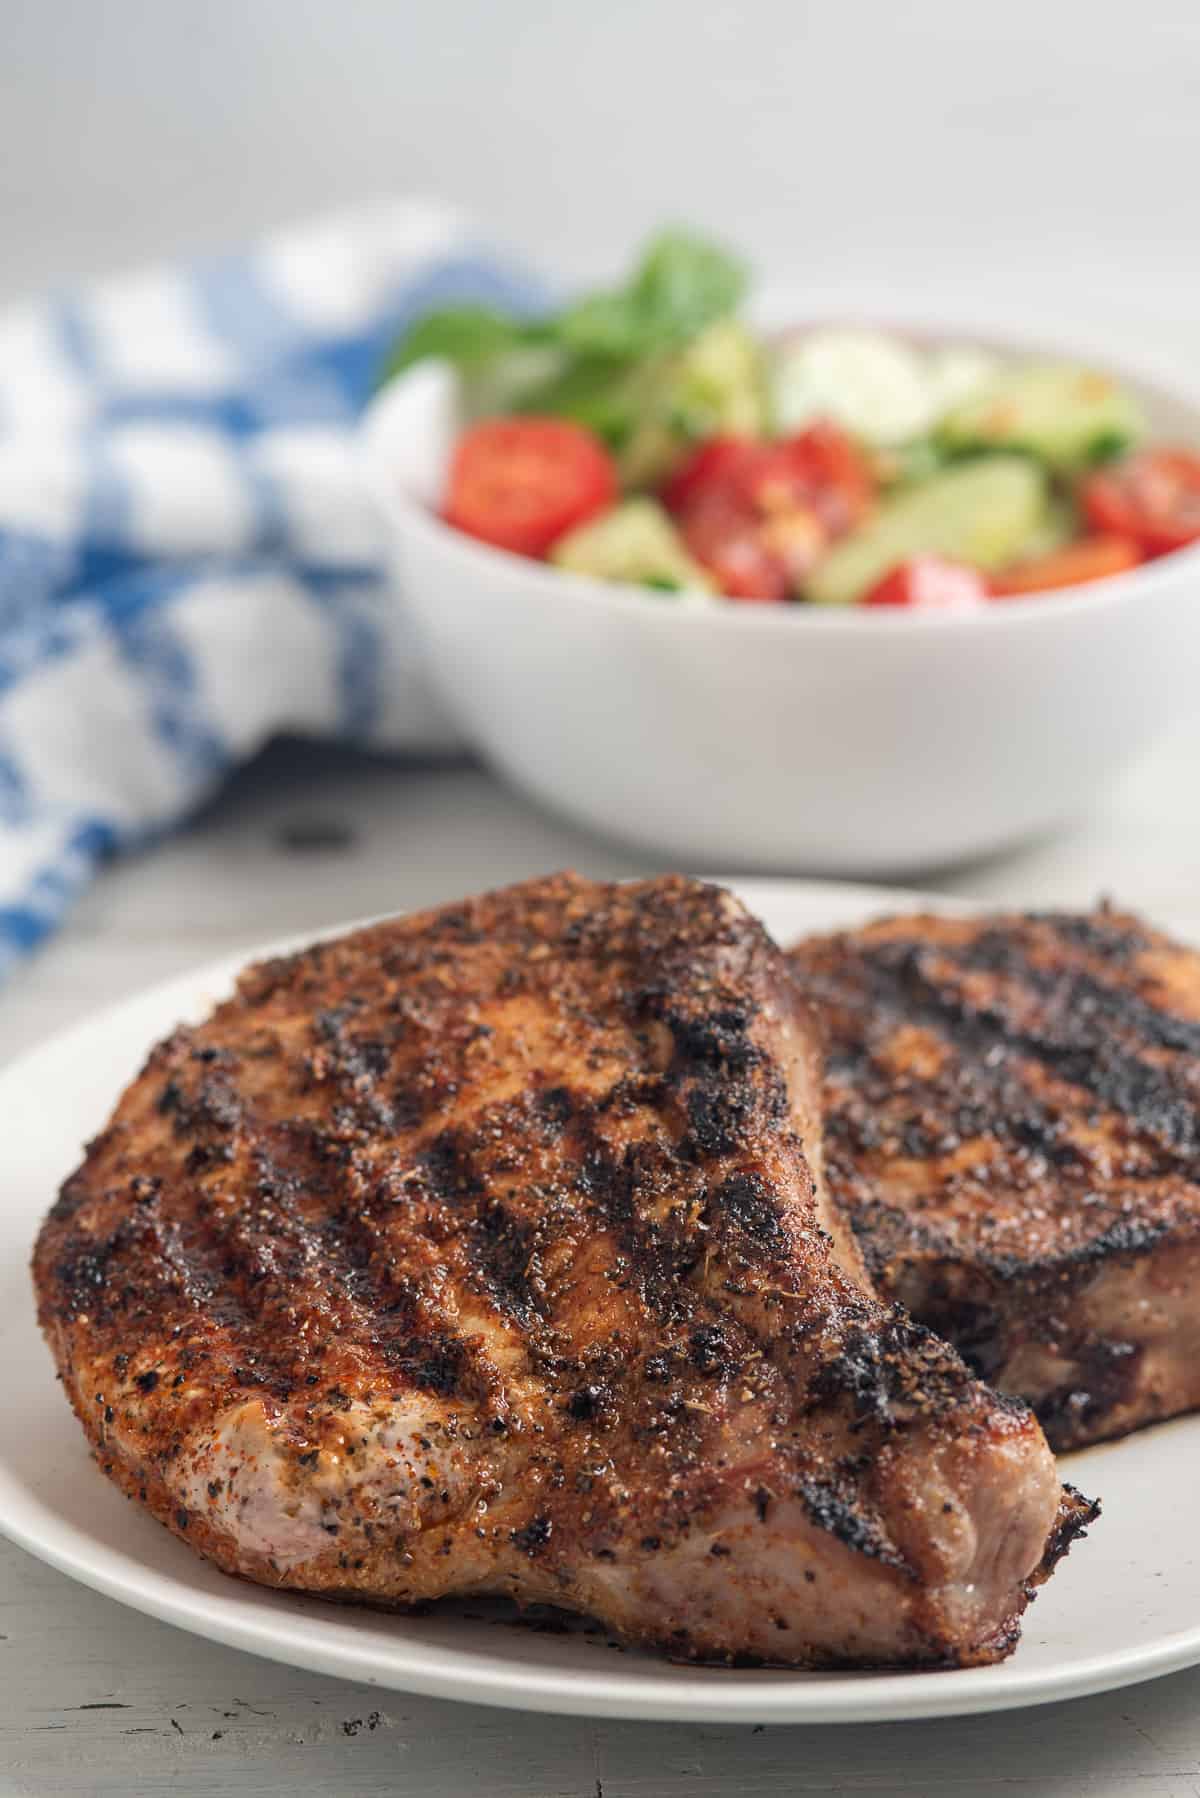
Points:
(97, 1700)
(199, 1719)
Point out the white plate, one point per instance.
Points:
(1124, 1607)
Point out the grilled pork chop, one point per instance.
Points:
(480, 1252)
(1012, 1125)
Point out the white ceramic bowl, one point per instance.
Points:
(785, 738)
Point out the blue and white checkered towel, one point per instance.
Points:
(187, 563)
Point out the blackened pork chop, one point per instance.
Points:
(1012, 1126)
(482, 1252)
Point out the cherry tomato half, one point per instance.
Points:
(819, 467)
(726, 536)
(829, 471)
(930, 584)
(1088, 560)
(1153, 495)
(759, 514)
(707, 466)
(521, 482)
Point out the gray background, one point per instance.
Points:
(1004, 146)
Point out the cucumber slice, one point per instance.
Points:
(980, 512)
(635, 542)
(1058, 526)
(904, 464)
(1067, 416)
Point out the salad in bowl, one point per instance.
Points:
(830, 598)
(647, 435)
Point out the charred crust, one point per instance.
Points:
(556, 1106)
(716, 1114)
(434, 1362)
(837, 1508)
(1075, 1515)
(709, 1349)
(533, 1537)
(748, 1203)
(501, 1253)
(590, 1402)
(718, 1038)
(897, 1368)
(450, 1168)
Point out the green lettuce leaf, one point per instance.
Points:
(680, 285)
(601, 347)
(468, 336)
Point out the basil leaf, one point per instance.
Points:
(595, 391)
(603, 349)
(465, 335)
(681, 285)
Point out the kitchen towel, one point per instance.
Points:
(188, 563)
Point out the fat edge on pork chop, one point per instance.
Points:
(484, 1252)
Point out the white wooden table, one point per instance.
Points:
(95, 1699)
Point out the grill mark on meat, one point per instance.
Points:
(344, 1255)
(124, 1272)
(1075, 998)
(255, 1261)
(716, 1117)
(432, 1360)
(988, 1095)
(241, 1263)
(1114, 939)
(721, 1105)
(1125, 1239)
(449, 1168)
(1149, 1102)
(653, 1259)
(502, 1246)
